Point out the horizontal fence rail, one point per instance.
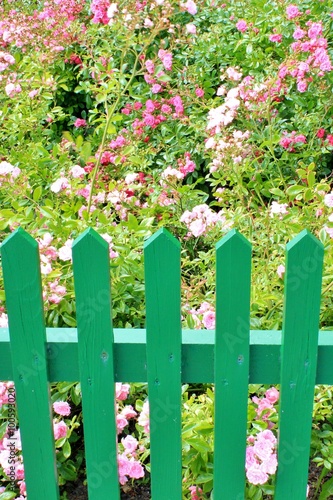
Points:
(197, 356)
(165, 356)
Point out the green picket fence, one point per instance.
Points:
(164, 356)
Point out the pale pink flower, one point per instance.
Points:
(156, 88)
(122, 391)
(299, 34)
(197, 227)
(135, 469)
(280, 271)
(191, 7)
(59, 185)
(128, 412)
(292, 11)
(256, 476)
(278, 208)
(199, 92)
(76, 171)
(129, 443)
(60, 429)
(209, 320)
(148, 23)
(11, 89)
(150, 66)
(276, 37)
(80, 122)
(190, 28)
(3, 324)
(143, 419)
(65, 252)
(241, 25)
(121, 422)
(328, 199)
(233, 73)
(62, 408)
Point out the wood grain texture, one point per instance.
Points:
(304, 260)
(22, 279)
(163, 317)
(91, 266)
(232, 354)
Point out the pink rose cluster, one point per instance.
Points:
(154, 113)
(191, 7)
(62, 408)
(265, 406)
(23, 31)
(196, 493)
(231, 147)
(241, 25)
(99, 8)
(309, 41)
(204, 316)
(185, 167)
(6, 60)
(261, 458)
(201, 219)
(292, 11)
(8, 172)
(80, 122)
(288, 141)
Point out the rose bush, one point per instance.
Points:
(196, 116)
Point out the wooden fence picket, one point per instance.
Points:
(163, 326)
(22, 279)
(298, 363)
(232, 353)
(91, 265)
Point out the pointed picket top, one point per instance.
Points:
(19, 238)
(160, 238)
(304, 238)
(233, 237)
(87, 237)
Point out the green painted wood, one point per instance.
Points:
(304, 258)
(21, 270)
(232, 353)
(163, 317)
(91, 265)
(197, 356)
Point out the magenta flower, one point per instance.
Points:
(241, 25)
(292, 11)
(199, 92)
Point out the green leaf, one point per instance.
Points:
(111, 129)
(326, 490)
(294, 190)
(7, 495)
(66, 449)
(199, 445)
(37, 193)
(67, 471)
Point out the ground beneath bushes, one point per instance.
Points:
(139, 492)
(78, 491)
